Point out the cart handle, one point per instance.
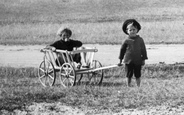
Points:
(84, 50)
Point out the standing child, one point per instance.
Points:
(133, 51)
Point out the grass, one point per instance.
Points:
(92, 21)
(161, 84)
(30, 22)
(91, 33)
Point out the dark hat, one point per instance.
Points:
(129, 21)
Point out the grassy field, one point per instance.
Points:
(161, 84)
(92, 21)
(34, 22)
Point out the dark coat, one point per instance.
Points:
(133, 50)
(62, 45)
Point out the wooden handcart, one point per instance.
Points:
(70, 73)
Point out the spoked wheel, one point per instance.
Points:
(97, 76)
(67, 75)
(46, 73)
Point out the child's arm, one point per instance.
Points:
(120, 63)
(51, 47)
(122, 52)
(143, 50)
(76, 43)
(143, 62)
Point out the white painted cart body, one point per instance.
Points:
(69, 70)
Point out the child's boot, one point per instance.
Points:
(138, 81)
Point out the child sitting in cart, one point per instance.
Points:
(65, 43)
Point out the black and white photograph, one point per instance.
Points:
(91, 57)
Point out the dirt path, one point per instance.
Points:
(30, 56)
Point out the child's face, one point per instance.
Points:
(65, 36)
(131, 30)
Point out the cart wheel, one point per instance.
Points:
(97, 76)
(46, 73)
(67, 75)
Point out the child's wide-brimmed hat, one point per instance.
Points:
(129, 21)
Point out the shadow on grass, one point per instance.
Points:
(103, 84)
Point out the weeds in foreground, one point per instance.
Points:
(160, 84)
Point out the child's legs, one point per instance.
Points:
(83, 56)
(129, 72)
(76, 58)
(60, 61)
(138, 81)
(137, 73)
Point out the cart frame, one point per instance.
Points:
(70, 73)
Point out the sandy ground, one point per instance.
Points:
(30, 56)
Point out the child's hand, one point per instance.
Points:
(75, 48)
(120, 64)
(53, 49)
